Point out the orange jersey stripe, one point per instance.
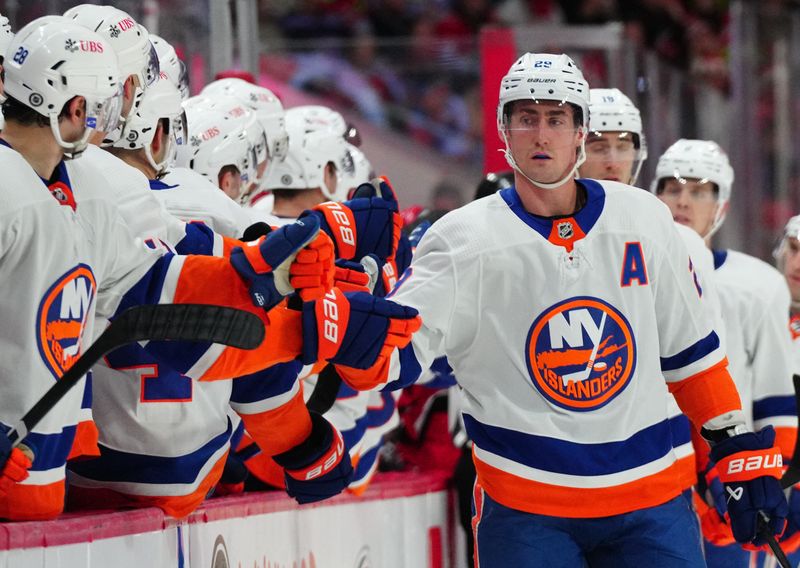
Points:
(785, 437)
(228, 244)
(33, 502)
(284, 338)
(85, 442)
(573, 502)
(687, 475)
(279, 429)
(179, 506)
(707, 395)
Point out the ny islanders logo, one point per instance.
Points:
(581, 353)
(61, 317)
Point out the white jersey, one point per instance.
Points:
(703, 267)
(68, 261)
(561, 334)
(190, 196)
(129, 189)
(755, 301)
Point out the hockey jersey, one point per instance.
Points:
(164, 437)
(98, 269)
(561, 333)
(755, 300)
(192, 197)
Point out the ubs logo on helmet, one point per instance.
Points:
(62, 316)
(581, 353)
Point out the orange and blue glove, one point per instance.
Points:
(369, 223)
(750, 468)
(294, 258)
(319, 467)
(355, 329)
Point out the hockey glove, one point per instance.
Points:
(369, 223)
(711, 508)
(319, 467)
(749, 467)
(295, 257)
(14, 463)
(355, 329)
(352, 276)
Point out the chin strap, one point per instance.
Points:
(571, 173)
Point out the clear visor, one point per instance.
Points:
(183, 80)
(152, 69)
(262, 150)
(700, 190)
(103, 115)
(614, 156)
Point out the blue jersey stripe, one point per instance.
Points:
(774, 406)
(266, 384)
(354, 435)
(681, 430)
(199, 239)
(691, 354)
(114, 465)
(365, 463)
(380, 416)
(50, 450)
(572, 458)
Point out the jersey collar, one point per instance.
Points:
(157, 184)
(58, 185)
(566, 230)
(720, 256)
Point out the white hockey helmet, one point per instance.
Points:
(171, 65)
(698, 159)
(315, 140)
(267, 108)
(256, 139)
(610, 110)
(52, 60)
(130, 41)
(544, 77)
(6, 35)
(214, 140)
(790, 231)
(161, 101)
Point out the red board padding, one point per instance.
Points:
(498, 51)
(72, 528)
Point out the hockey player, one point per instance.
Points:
(694, 179)
(6, 35)
(135, 396)
(787, 258)
(616, 148)
(64, 83)
(573, 301)
(269, 112)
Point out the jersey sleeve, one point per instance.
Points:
(692, 357)
(270, 403)
(135, 275)
(772, 366)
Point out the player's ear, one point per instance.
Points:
(158, 139)
(76, 110)
(129, 88)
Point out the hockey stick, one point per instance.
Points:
(179, 322)
(789, 478)
(792, 474)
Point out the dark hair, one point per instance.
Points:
(23, 114)
(577, 112)
(229, 169)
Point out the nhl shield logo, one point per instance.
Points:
(565, 230)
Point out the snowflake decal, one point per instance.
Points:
(194, 141)
(113, 30)
(71, 45)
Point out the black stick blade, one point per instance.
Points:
(192, 322)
